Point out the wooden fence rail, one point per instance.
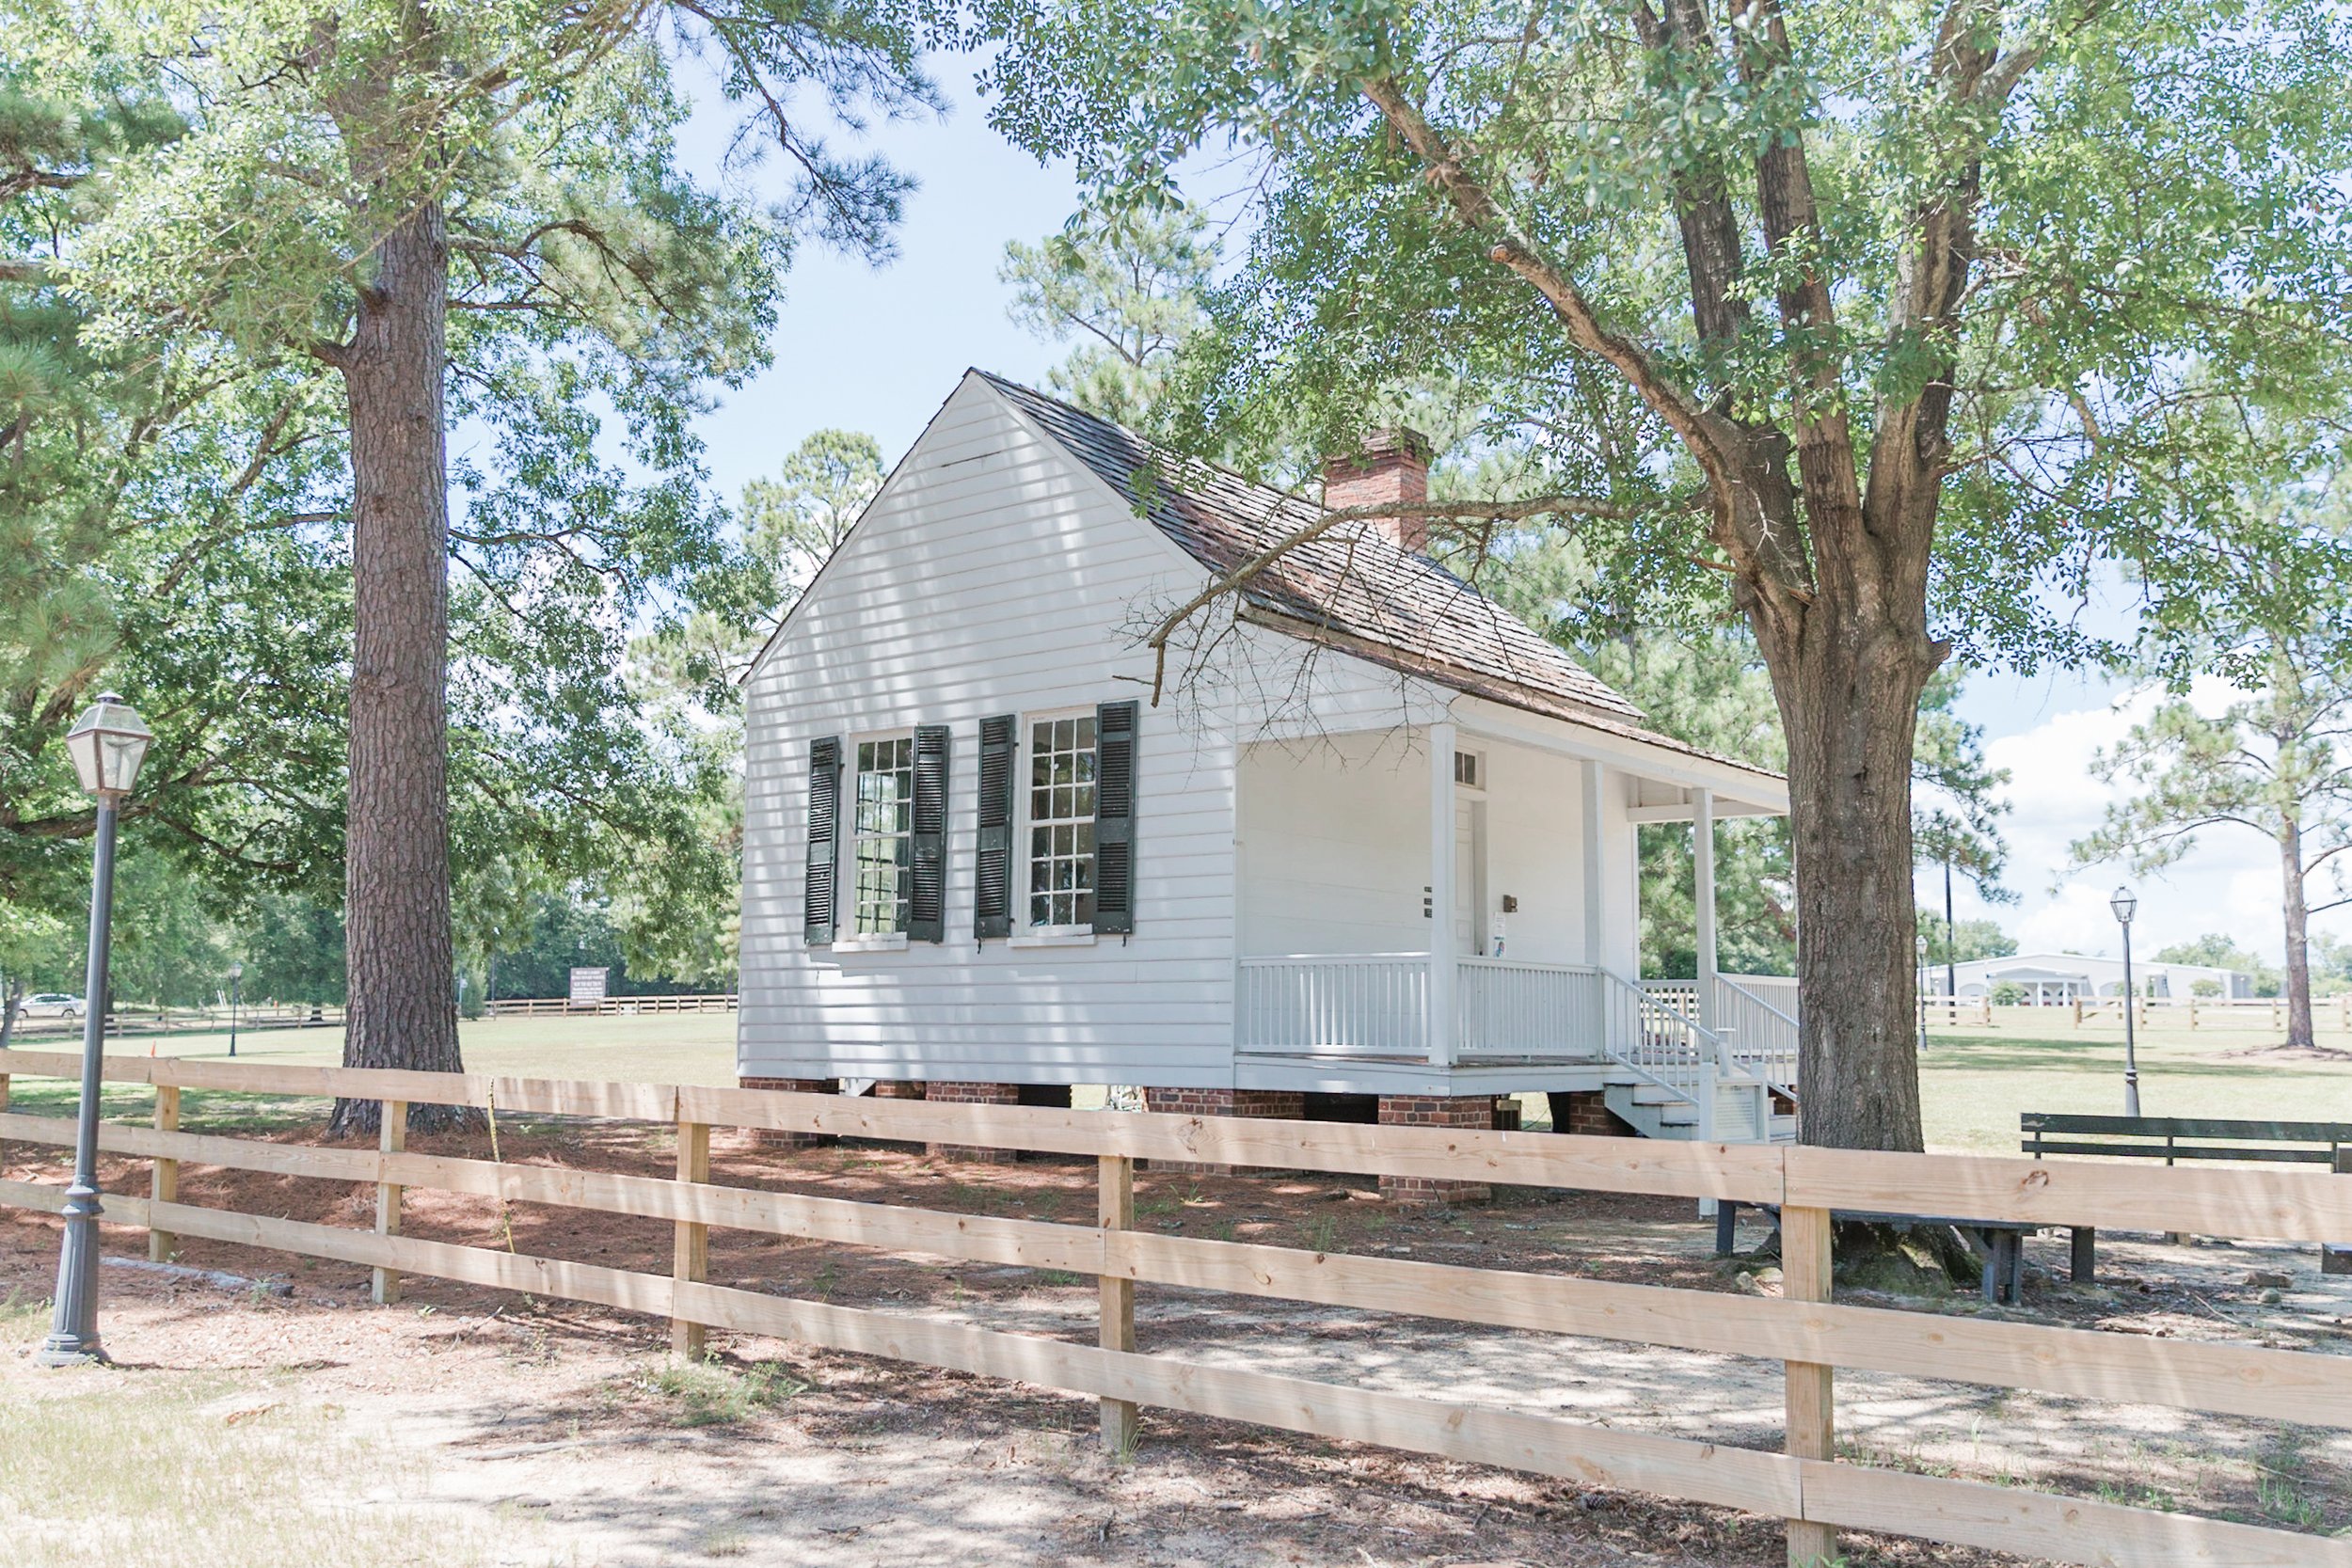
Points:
(1805, 1330)
(560, 1006)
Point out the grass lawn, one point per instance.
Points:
(170, 1468)
(1974, 1082)
(648, 1048)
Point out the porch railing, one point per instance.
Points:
(1372, 1005)
(1506, 1008)
(1376, 1004)
(1758, 1033)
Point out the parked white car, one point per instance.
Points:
(50, 1003)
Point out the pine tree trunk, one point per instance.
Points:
(401, 959)
(2300, 1031)
(1849, 711)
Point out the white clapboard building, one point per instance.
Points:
(982, 863)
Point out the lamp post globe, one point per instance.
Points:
(2125, 904)
(108, 745)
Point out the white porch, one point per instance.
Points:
(1351, 980)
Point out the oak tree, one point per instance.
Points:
(1891, 321)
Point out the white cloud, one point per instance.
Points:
(2228, 883)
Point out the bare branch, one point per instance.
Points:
(1487, 511)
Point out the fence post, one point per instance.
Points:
(165, 1184)
(689, 1259)
(393, 1136)
(1118, 1299)
(1812, 1426)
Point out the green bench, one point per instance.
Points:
(2173, 1139)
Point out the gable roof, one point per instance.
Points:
(1352, 586)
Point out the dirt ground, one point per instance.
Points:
(550, 1433)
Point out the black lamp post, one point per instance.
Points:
(107, 744)
(1920, 942)
(2124, 905)
(236, 978)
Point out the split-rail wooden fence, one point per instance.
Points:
(1806, 1484)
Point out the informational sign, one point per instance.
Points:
(588, 986)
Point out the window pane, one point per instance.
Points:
(884, 843)
(1062, 826)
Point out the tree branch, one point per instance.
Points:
(1488, 511)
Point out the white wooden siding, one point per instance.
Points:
(1335, 848)
(994, 575)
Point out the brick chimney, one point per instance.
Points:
(1392, 466)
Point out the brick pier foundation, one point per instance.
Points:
(1475, 1112)
(777, 1138)
(973, 1094)
(1270, 1104)
(1586, 1113)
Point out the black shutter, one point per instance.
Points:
(992, 882)
(927, 898)
(824, 836)
(1114, 817)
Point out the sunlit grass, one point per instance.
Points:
(709, 1393)
(1974, 1085)
(102, 1467)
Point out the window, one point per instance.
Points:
(1061, 821)
(884, 834)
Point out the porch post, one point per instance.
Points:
(1703, 867)
(1595, 867)
(1441, 871)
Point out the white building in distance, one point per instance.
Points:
(2056, 979)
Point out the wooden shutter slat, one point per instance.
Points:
(1114, 817)
(927, 895)
(992, 882)
(818, 896)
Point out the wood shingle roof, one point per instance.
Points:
(1351, 585)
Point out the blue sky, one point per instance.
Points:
(878, 350)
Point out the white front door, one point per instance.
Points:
(1469, 877)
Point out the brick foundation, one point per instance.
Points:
(973, 1094)
(1475, 1112)
(776, 1138)
(1586, 1114)
(1272, 1104)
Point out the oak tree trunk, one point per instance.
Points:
(2300, 1031)
(401, 960)
(1849, 698)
